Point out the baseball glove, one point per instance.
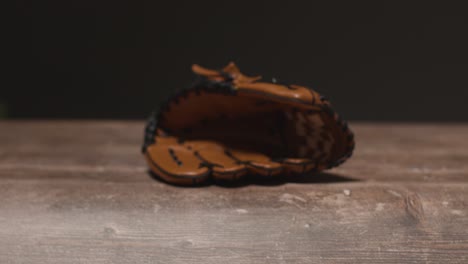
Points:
(228, 125)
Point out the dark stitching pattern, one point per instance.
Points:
(174, 157)
(151, 160)
(150, 131)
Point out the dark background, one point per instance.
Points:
(376, 60)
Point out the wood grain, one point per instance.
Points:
(80, 192)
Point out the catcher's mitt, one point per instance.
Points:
(228, 125)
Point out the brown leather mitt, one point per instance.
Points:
(228, 125)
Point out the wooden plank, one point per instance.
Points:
(148, 222)
(385, 152)
(79, 192)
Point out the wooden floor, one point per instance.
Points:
(80, 192)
